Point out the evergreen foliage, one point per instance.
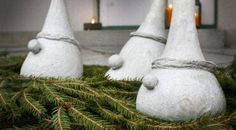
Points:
(90, 103)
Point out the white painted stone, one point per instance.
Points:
(186, 90)
(34, 46)
(55, 52)
(150, 81)
(140, 52)
(115, 62)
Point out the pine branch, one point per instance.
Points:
(118, 119)
(51, 96)
(123, 108)
(203, 123)
(3, 102)
(109, 115)
(9, 107)
(76, 93)
(28, 127)
(120, 107)
(115, 91)
(84, 86)
(116, 84)
(30, 105)
(3, 84)
(77, 85)
(87, 120)
(60, 119)
(34, 86)
(76, 101)
(132, 125)
(98, 102)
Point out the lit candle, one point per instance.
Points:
(169, 10)
(93, 20)
(197, 19)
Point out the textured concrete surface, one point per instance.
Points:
(209, 38)
(100, 45)
(227, 20)
(230, 37)
(90, 56)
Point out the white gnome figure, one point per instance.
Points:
(181, 86)
(144, 46)
(55, 52)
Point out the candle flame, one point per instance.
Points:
(93, 20)
(170, 6)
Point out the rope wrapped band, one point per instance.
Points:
(184, 64)
(59, 38)
(149, 36)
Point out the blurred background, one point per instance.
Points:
(102, 26)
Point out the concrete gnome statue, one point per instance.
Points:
(55, 52)
(144, 46)
(181, 85)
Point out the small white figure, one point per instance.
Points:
(144, 46)
(55, 52)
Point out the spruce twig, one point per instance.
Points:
(89, 122)
(60, 119)
(30, 105)
(91, 103)
(3, 102)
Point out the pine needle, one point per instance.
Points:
(3, 103)
(30, 105)
(91, 103)
(87, 120)
(60, 119)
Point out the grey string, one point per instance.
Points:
(184, 64)
(59, 38)
(149, 36)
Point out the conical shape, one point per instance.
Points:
(57, 22)
(154, 23)
(55, 52)
(183, 42)
(181, 85)
(144, 46)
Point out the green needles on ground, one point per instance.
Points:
(91, 103)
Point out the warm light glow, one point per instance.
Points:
(170, 6)
(93, 20)
(197, 19)
(169, 10)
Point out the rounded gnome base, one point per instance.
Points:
(137, 53)
(173, 98)
(57, 59)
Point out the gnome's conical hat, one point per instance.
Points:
(183, 42)
(55, 52)
(57, 23)
(154, 23)
(144, 46)
(182, 85)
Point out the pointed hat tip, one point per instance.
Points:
(57, 22)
